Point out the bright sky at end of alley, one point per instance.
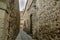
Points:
(22, 4)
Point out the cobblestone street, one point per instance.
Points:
(23, 36)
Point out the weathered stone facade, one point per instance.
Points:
(21, 20)
(14, 22)
(45, 19)
(3, 21)
(49, 16)
(9, 19)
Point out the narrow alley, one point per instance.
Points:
(29, 19)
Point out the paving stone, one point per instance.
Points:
(23, 36)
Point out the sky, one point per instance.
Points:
(22, 4)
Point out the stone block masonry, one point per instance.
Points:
(14, 20)
(9, 19)
(3, 21)
(49, 19)
(45, 19)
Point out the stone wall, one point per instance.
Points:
(14, 21)
(9, 19)
(3, 21)
(45, 19)
(30, 15)
(49, 19)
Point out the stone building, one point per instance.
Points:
(21, 20)
(42, 19)
(9, 19)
